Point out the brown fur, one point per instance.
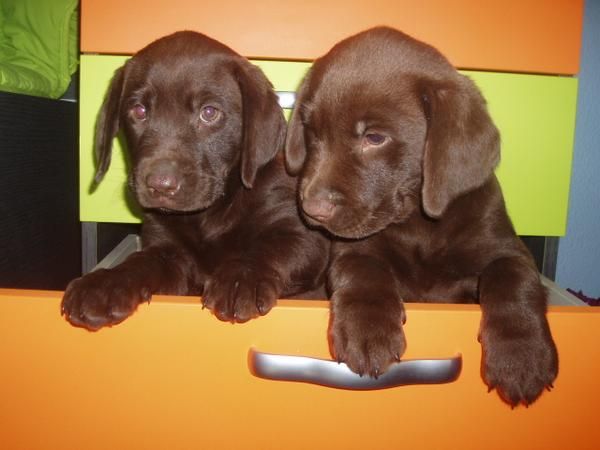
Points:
(220, 216)
(396, 152)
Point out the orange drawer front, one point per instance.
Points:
(510, 35)
(174, 377)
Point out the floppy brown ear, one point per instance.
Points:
(462, 147)
(107, 125)
(263, 121)
(295, 147)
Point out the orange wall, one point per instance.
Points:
(509, 35)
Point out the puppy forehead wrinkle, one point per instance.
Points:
(139, 92)
(198, 83)
(159, 64)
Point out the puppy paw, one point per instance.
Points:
(519, 368)
(102, 298)
(368, 338)
(238, 292)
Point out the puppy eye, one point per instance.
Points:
(374, 140)
(209, 114)
(138, 112)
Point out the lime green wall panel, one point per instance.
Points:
(285, 76)
(108, 201)
(535, 115)
(536, 118)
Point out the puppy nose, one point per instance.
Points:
(320, 207)
(163, 181)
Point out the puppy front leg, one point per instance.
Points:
(519, 355)
(106, 297)
(367, 314)
(247, 284)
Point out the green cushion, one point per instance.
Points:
(535, 115)
(38, 46)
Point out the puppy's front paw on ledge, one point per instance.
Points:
(102, 298)
(238, 292)
(520, 369)
(367, 343)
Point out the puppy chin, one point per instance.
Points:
(345, 228)
(179, 204)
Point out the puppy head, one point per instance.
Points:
(384, 127)
(199, 120)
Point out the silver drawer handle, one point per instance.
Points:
(338, 375)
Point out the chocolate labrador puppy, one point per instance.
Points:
(396, 152)
(205, 133)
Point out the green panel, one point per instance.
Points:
(285, 76)
(535, 114)
(108, 201)
(536, 118)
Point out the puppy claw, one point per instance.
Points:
(146, 294)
